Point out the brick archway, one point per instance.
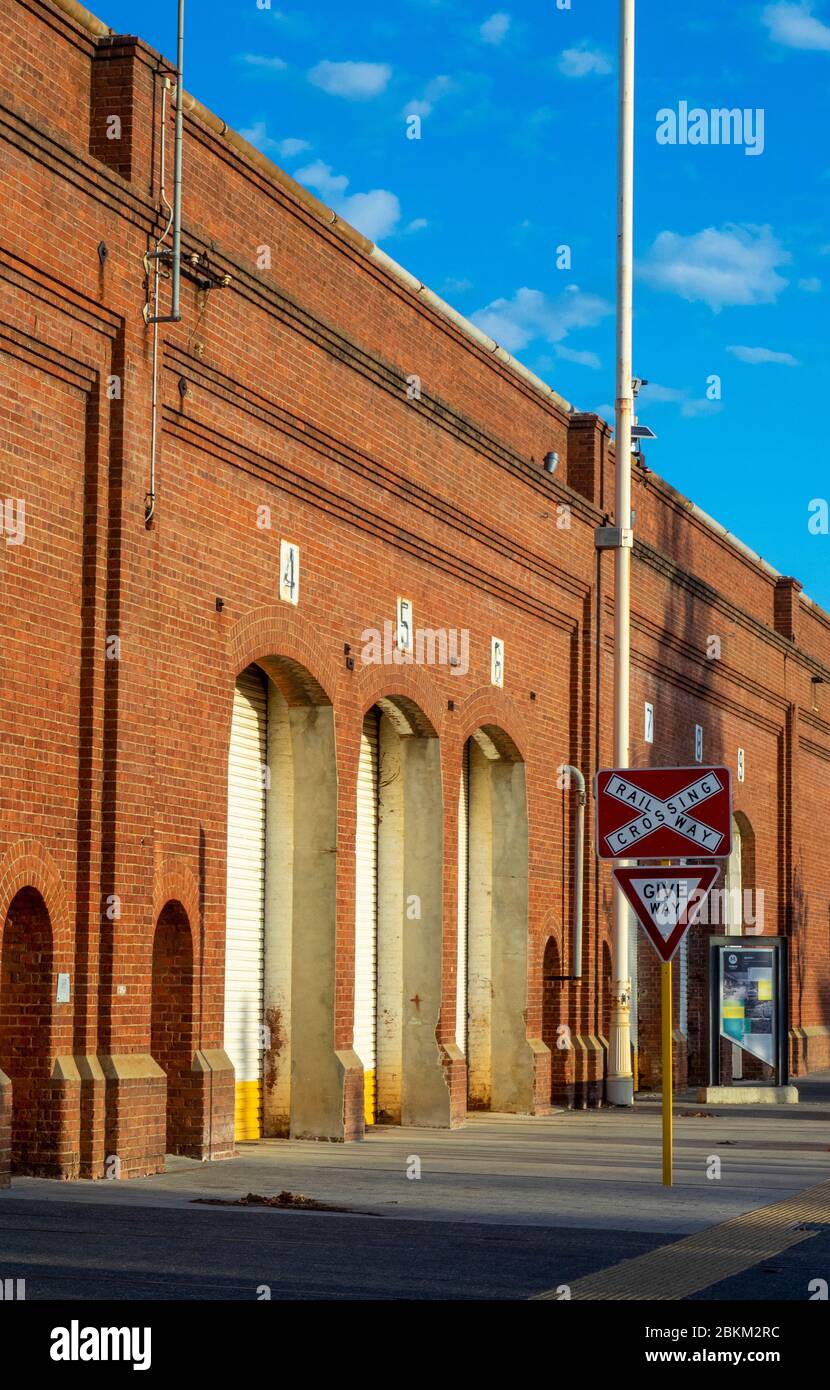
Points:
(496, 959)
(551, 991)
(407, 689)
(304, 669)
(398, 942)
(26, 963)
(280, 906)
(490, 708)
(172, 1025)
(28, 864)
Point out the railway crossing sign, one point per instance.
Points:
(664, 813)
(667, 901)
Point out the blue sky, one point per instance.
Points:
(517, 158)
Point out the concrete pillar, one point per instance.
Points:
(318, 1074)
(479, 947)
(425, 1098)
(512, 1064)
(279, 913)
(390, 926)
(500, 1061)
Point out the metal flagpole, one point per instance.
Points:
(620, 1082)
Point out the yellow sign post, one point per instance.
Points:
(667, 900)
(668, 1080)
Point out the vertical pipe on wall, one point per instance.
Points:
(150, 499)
(579, 856)
(177, 170)
(620, 1082)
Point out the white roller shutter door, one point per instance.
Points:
(463, 900)
(366, 909)
(244, 957)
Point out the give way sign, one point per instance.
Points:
(667, 901)
(664, 813)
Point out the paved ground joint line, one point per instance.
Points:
(676, 1271)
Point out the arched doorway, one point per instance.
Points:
(172, 1026)
(733, 916)
(740, 915)
(493, 944)
(280, 922)
(25, 1030)
(398, 916)
(604, 990)
(552, 1020)
(731, 909)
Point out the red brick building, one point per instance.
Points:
(255, 858)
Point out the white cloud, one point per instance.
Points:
(692, 407)
(530, 314)
(255, 60)
(291, 146)
(689, 406)
(733, 265)
(455, 285)
(436, 89)
(796, 26)
(321, 177)
(758, 356)
(582, 60)
(581, 359)
(494, 29)
(357, 81)
(662, 395)
(812, 285)
(376, 214)
(416, 225)
(258, 135)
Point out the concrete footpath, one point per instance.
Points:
(587, 1183)
(582, 1168)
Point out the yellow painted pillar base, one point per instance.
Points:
(247, 1120)
(369, 1098)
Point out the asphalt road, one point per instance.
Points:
(74, 1251)
(784, 1279)
(507, 1207)
(65, 1250)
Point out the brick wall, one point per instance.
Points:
(288, 390)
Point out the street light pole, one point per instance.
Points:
(620, 1082)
